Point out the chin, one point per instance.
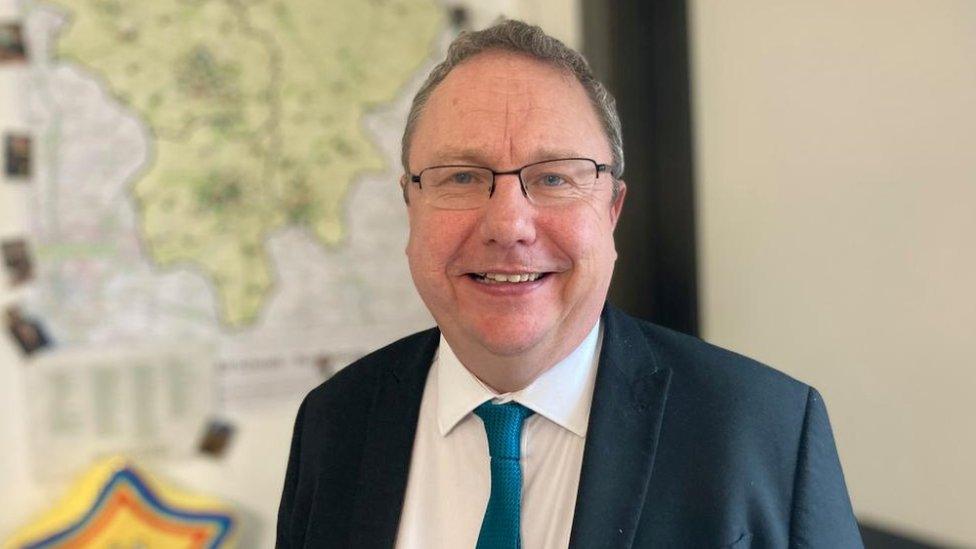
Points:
(508, 347)
(507, 337)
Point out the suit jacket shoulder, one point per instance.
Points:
(353, 386)
(741, 452)
(723, 384)
(332, 452)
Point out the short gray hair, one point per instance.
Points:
(516, 36)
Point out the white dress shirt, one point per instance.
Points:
(450, 477)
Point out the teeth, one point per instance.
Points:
(501, 277)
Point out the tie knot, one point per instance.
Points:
(503, 425)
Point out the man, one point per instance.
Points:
(535, 415)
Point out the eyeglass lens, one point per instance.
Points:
(545, 183)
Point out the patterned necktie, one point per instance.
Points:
(500, 528)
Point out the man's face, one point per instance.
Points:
(502, 111)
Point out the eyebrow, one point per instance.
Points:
(477, 157)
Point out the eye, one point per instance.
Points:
(552, 180)
(463, 178)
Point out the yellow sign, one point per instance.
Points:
(116, 505)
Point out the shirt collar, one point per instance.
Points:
(562, 394)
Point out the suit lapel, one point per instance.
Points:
(388, 446)
(625, 422)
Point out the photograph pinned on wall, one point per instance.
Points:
(459, 17)
(17, 153)
(12, 48)
(27, 332)
(17, 261)
(216, 438)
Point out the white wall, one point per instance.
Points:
(836, 167)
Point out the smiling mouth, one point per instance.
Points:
(503, 278)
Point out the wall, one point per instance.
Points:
(837, 209)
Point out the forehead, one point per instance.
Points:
(505, 109)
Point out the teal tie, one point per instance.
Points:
(500, 528)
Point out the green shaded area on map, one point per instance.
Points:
(256, 107)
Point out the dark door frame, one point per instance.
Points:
(639, 48)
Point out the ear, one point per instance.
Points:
(617, 205)
(404, 182)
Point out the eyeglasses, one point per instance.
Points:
(546, 183)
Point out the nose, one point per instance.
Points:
(508, 219)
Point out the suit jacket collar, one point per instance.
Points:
(621, 442)
(388, 445)
(624, 425)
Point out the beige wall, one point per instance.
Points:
(836, 165)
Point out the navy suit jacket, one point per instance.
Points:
(688, 445)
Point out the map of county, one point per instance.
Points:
(255, 108)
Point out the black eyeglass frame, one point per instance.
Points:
(600, 168)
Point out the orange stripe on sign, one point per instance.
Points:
(124, 499)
